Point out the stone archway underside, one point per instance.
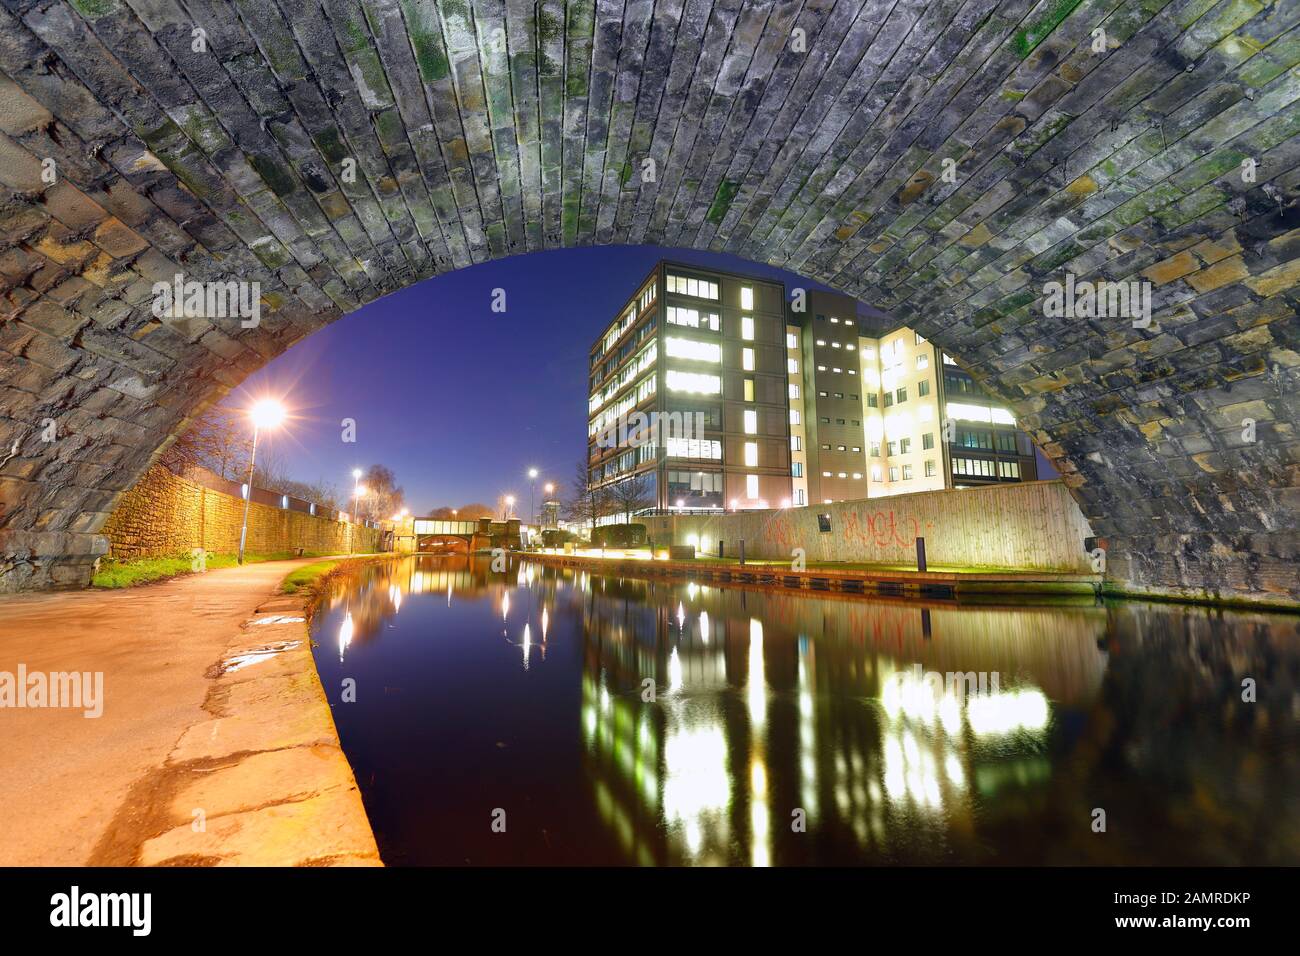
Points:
(810, 135)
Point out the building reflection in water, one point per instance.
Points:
(775, 713)
(740, 727)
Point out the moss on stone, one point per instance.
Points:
(277, 178)
(1027, 39)
(94, 9)
(722, 199)
(330, 144)
(430, 56)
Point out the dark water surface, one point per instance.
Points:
(519, 698)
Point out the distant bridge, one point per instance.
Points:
(437, 536)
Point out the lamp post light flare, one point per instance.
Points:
(532, 495)
(266, 413)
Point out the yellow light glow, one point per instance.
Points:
(267, 413)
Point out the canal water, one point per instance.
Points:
(551, 716)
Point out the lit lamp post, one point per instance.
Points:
(356, 492)
(532, 495)
(265, 414)
(510, 504)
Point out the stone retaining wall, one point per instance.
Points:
(167, 514)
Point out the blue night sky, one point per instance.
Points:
(460, 401)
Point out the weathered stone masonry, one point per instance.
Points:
(811, 135)
(166, 514)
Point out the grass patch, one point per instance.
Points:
(304, 578)
(113, 573)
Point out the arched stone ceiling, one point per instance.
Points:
(215, 139)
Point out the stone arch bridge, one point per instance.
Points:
(942, 159)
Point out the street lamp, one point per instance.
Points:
(356, 492)
(532, 494)
(264, 414)
(510, 503)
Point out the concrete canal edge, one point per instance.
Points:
(950, 584)
(263, 781)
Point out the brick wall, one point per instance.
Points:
(166, 514)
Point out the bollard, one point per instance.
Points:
(722, 552)
(742, 551)
(920, 554)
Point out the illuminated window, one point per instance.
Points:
(875, 472)
(693, 318)
(747, 359)
(791, 366)
(799, 497)
(699, 288)
(751, 422)
(796, 443)
(694, 448)
(747, 328)
(794, 390)
(693, 350)
(795, 417)
(746, 297)
(791, 340)
(749, 389)
(751, 455)
(922, 361)
(857, 476)
(751, 487)
(693, 382)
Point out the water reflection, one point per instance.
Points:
(653, 723)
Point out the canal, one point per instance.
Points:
(551, 716)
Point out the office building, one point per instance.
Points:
(688, 394)
(885, 412)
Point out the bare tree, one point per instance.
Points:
(218, 440)
(384, 497)
(587, 503)
(629, 495)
